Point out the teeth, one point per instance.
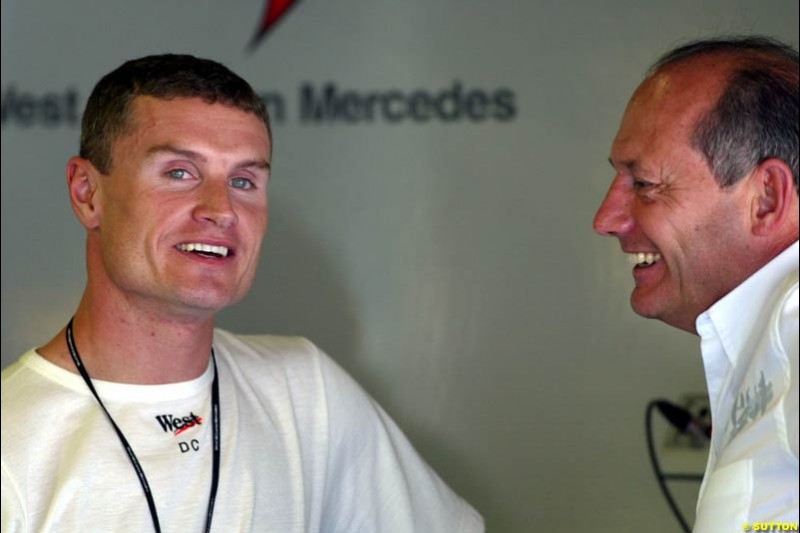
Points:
(221, 251)
(642, 258)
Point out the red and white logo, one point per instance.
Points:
(178, 425)
(273, 13)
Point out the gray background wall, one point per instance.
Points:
(450, 267)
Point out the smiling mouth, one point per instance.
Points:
(644, 259)
(205, 250)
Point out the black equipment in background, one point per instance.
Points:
(681, 419)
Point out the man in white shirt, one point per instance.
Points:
(705, 200)
(139, 415)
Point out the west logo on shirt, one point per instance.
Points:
(178, 425)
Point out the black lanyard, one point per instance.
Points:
(73, 351)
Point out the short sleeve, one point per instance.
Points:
(376, 480)
(12, 517)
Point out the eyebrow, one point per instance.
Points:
(631, 165)
(196, 156)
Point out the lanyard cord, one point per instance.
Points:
(76, 358)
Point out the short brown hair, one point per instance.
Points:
(165, 76)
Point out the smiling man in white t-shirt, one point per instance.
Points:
(139, 415)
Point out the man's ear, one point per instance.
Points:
(773, 197)
(83, 181)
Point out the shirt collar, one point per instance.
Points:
(734, 316)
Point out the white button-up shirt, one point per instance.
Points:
(749, 341)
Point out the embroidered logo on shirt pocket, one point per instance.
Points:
(750, 404)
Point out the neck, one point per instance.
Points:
(124, 343)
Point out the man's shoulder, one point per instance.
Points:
(263, 349)
(256, 356)
(774, 303)
(293, 369)
(783, 293)
(293, 363)
(786, 314)
(789, 289)
(18, 379)
(31, 400)
(12, 372)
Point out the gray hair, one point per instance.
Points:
(756, 118)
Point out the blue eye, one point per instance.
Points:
(178, 174)
(241, 183)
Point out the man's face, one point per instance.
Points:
(183, 211)
(664, 203)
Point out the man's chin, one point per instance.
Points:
(210, 297)
(203, 304)
(675, 315)
(645, 305)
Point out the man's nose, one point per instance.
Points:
(214, 204)
(614, 218)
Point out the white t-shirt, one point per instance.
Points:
(749, 340)
(303, 449)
